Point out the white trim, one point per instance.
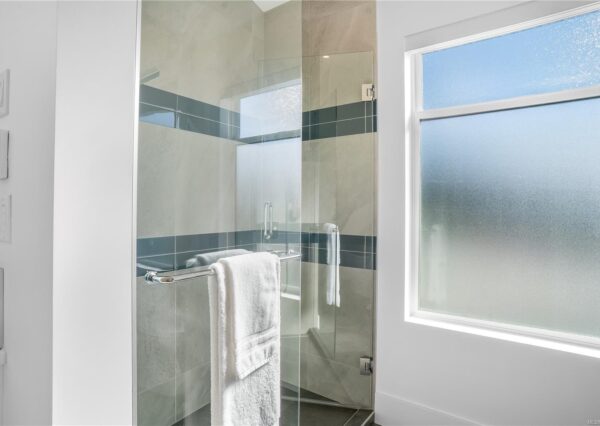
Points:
(532, 23)
(567, 342)
(511, 103)
(134, 199)
(412, 181)
(399, 411)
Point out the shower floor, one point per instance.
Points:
(312, 414)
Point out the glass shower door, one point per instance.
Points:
(269, 190)
(211, 178)
(339, 156)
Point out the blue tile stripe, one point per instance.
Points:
(179, 112)
(356, 251)
(170, 110)
(171, 252)
(341, 120)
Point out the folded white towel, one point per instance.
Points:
(245, 343)
(333, 262)
(205, 259)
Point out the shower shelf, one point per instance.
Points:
(172, 277)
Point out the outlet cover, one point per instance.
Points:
(4, 86)
(5, 220)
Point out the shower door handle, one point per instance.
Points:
(268, 220)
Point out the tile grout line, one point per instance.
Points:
(351, 417)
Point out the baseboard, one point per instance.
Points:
(391, 410)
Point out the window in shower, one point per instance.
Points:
(504, 183)
(272, 111)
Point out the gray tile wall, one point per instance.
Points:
(171, 252)
(173, 350)
(170, 110)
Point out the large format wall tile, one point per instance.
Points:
(157, 160)
(336, 337)
(192, 391)
(192, 324)
(179, 192)
(354, 317)
(339, 182)
(156, 334)
(203, 49)
(331, 27)
(336, 79)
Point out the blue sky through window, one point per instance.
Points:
(557, 56)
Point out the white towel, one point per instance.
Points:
(245, 344)
(333, 264)
(204, 259)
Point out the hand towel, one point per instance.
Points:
(333, 264)
(245, 344)
(205, 259)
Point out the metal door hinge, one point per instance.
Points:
(366, 365)
(368, 92)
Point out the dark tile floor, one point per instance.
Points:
(310, 414)
(199, 417)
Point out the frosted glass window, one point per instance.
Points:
(510, 216)
(557, 56)
(273, 111)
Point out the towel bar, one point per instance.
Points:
(171, 277)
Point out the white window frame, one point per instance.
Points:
(414, 114)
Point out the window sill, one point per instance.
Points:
(564, 342)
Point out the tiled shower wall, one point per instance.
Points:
(213, 52)
(210, 52)
(339, 44)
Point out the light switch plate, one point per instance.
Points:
(4, 86)
(3, 154)
(5, 219)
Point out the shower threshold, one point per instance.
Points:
(319, 410)
(314, 411)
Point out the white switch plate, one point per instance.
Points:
(5, 225)
(3, 154)
(4, 86)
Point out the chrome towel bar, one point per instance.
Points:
(172, 277)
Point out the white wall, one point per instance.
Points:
(428, 375)
(94, 213)
(28, 48)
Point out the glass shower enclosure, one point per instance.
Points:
(246, 144)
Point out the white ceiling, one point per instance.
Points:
(266, 5)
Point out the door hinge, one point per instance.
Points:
(366, 365)
(368, 92)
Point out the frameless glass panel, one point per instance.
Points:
(219, 138)
(552, 57)
(338, 190)
(510, 208)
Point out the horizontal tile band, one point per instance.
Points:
(342, 112)
(353, 126)
(177, 103)
(168, 109)
(171, 252)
